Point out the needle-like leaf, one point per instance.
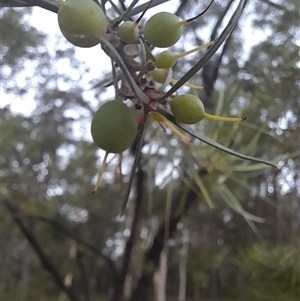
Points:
(233, 202)
(211, 142)
(235, 205)
(127, 11)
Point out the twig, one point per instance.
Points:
(140, 140)
(138, 93)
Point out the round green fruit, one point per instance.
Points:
(166, 60)
(82, 22)
(81, 40)
(187, 109)
(114, 127)
(128, 32)
(163, 29)
(159, 75)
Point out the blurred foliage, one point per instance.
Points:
(244, 225)
(274, 269)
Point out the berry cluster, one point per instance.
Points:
(114, 125)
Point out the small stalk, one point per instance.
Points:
(201, 47)
(184, 22)
(100, 173)
(174, 81)
(163, 121)
(221, 118)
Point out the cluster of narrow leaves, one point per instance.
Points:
(280, 263)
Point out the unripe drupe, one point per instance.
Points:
(167, 59)
(114, 127)
(189, 109)
(163, 29)
(128, 32)
(160, 76)
(82, 22)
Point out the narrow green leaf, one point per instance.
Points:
(127, 11)
(254, 229)
(197, 180)
(213, 143)
(204, 191)
(220, 103)
(247, 167)
(233, 202)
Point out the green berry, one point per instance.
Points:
(165, 59)
(82, 22)
(81, 40)
(114, 127)
(159, 75)
(187, 109)
(128, 32)
(163, 29)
